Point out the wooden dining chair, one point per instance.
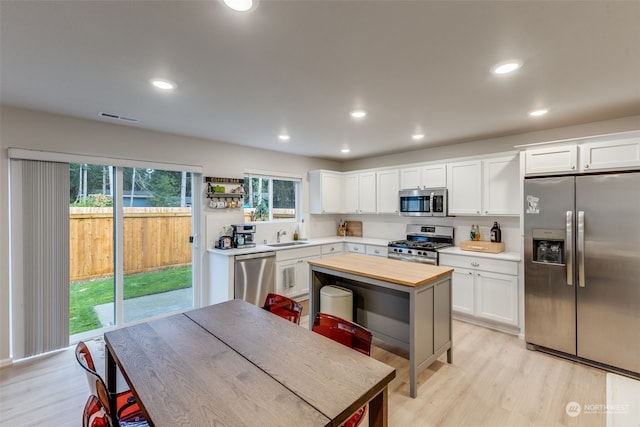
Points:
(127, 413)
(354, 336)
(284, 307)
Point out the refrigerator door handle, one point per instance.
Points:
(580, 250)
(568, 247)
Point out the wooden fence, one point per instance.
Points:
(154, 238)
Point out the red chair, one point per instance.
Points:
(283, 307)
(352, 335)
(345, 332)
(94, 414)
(127, 411)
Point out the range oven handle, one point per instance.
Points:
(568, 247)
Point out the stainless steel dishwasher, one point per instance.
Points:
(254, 276)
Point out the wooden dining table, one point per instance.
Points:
(235, 364)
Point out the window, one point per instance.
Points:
(271, 198)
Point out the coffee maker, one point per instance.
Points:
(243, 235)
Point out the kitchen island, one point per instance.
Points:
(405, 304)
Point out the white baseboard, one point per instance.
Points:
(6, 362)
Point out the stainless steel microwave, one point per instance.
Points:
(424, 202)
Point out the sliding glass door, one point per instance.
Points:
(130, 245)
(157, 227)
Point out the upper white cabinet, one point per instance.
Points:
(599, 153)
(425, 176)
(501, 190)
(388, 186)
(359, 192)
(547, 160)
(465, 187)
(325, 188)
(610, 155)
(484, 187)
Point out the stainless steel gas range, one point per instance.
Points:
(422, 243)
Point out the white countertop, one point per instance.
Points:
(506, 256)
(310, 242)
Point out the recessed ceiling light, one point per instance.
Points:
(345, 150)
(358, 114)
(284, 137)
(540, 112)
(417, 136)
(163, 84)
(241, 5)
(506, 67)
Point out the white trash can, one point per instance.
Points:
(337, 301)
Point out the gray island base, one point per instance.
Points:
(407, 305)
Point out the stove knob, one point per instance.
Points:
(420, 253)
(409, 251)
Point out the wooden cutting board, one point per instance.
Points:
(354, 228)
(482, 246)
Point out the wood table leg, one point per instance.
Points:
(379, 409)
(110, 373)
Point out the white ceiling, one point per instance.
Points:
(301, 66)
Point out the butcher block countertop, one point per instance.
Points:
(389, 270)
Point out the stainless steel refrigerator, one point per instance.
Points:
(582, 267)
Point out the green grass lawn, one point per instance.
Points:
(85, 295)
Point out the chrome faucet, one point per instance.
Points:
(280, 233)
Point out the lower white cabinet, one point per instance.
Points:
(373, 250)
(332, 249)
(484, 289)
(292, 271)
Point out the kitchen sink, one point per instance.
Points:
(280, 245)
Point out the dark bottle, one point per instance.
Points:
(496, 233)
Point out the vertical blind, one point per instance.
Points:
(44, 206)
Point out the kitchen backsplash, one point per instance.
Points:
(386, 227)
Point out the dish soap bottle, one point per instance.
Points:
(496, 233)
(472, 233)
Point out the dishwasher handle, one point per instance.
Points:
(255, 255)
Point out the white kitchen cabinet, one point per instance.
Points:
(599, 153)
(623, 153)
(485, 290)
(358, 248)
(410, 178)
(376, 250)
(387, 187)
(484, 187)
(501, 189)
(463, 291)
(425, 176)
(325, 192)
(359, 192)
(464, 183)
(557, 159)
(332, 249)
(497, 298)
(292, 270)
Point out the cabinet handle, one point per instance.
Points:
(573, 167)
(586, 166)
(477, 212)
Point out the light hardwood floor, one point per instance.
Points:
(493, 381)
